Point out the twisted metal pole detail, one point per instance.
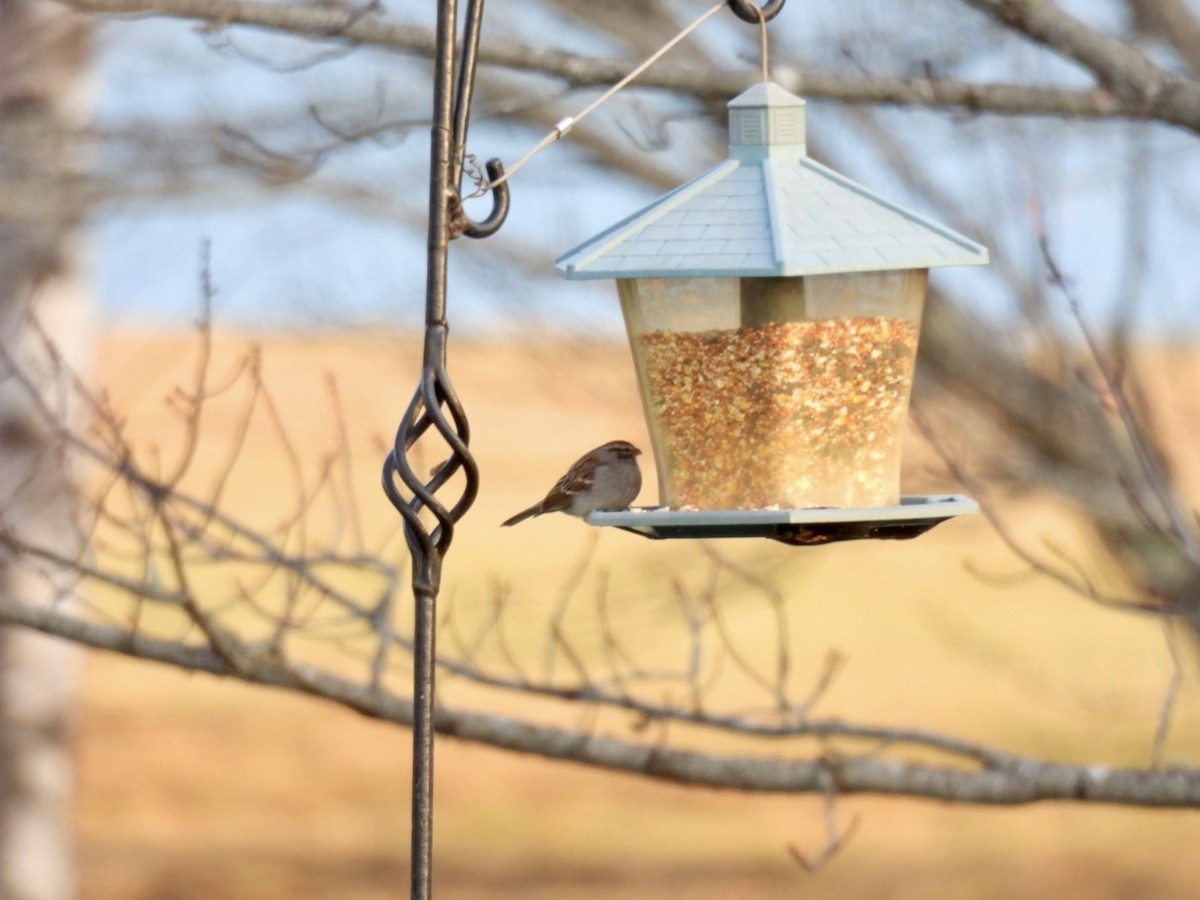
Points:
(428, 521)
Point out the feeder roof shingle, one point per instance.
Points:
(768, 210)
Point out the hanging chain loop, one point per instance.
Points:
(754, 13)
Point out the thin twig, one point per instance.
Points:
(1170, 697)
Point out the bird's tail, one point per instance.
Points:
(535, 510)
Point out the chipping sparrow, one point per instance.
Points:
(607, 478)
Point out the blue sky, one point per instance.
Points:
(295, 259)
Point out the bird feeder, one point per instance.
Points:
(773, 309)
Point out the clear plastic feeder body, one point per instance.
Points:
(776, 392)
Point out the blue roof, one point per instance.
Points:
(769, 210)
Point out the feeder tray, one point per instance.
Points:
(912, 517)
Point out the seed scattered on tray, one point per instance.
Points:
(787, 414)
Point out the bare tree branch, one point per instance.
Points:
(1020, 780)
(1173, 22)
(1137, 89)
(1130, 74)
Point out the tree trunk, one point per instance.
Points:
(43, 49)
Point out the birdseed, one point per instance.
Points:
(788, 414)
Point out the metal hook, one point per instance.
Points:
(750, 12)
(462, 113)
(490, 225)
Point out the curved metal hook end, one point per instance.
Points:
(500, 203)
(749, 11)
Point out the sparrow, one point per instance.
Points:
(607, 478)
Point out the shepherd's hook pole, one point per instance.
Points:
(436, 410)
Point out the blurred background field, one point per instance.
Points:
(191, 787)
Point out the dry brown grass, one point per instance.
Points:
(191, 787)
